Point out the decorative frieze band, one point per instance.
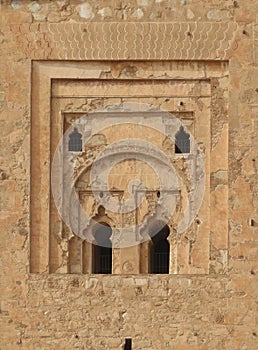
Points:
(132, 40)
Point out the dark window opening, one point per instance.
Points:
(128, 344)
(182, 141)
(251, 222)
(102, 250)
(75, 141)
(159, 252)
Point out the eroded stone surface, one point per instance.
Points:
(216, 311)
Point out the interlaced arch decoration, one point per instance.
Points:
(41, 247)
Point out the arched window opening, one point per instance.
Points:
(182, 141)
(102, 249)
(159, 252)
(75, 141)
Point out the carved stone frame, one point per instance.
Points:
(43, 74)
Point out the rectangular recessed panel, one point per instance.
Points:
(188, 100)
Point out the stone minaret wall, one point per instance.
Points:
(63, 59)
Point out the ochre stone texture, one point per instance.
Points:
(197, 60)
